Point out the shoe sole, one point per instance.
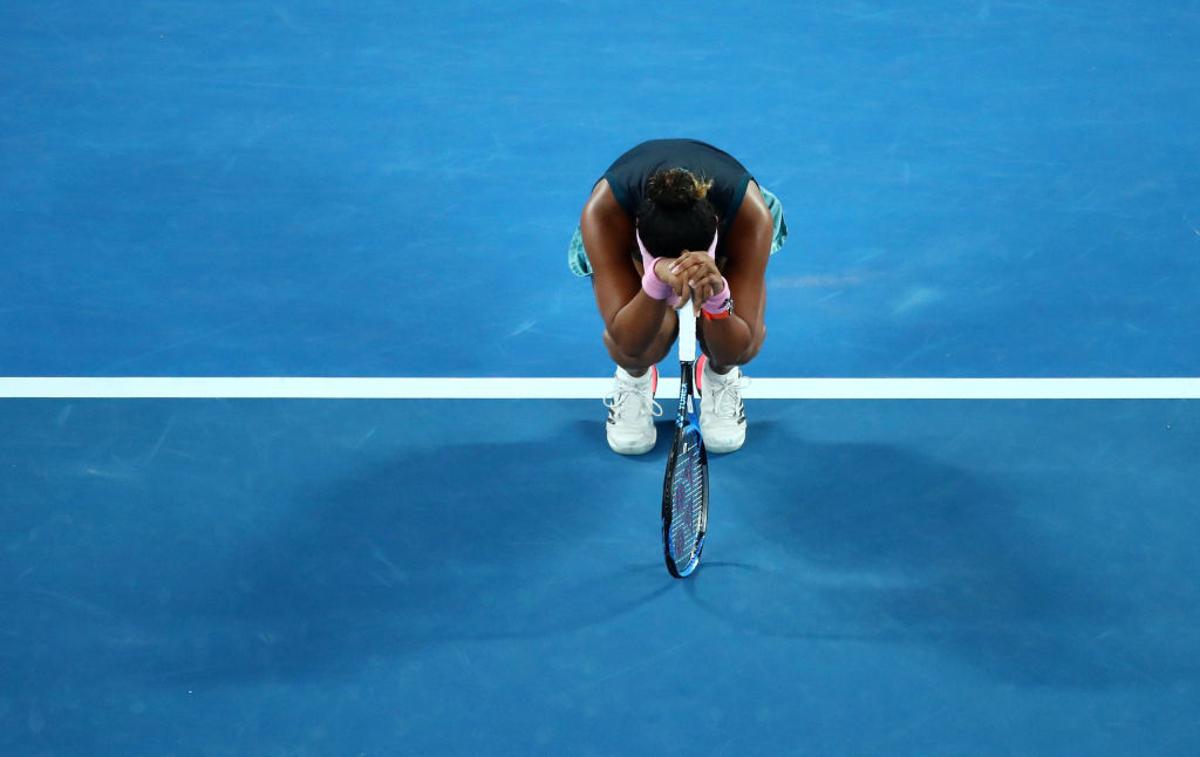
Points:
(632, 450)
(723, 450)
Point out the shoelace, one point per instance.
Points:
(618, 399)
(727, 395)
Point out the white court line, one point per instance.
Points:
(592, 388)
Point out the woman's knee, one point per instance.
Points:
(755, 345)
(657, 350)
(748, 354)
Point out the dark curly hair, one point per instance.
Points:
(676, 214)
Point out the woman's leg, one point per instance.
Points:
(637, 365)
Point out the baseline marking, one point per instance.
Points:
(55, 387)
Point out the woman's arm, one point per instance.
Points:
(736, 339)
(632, 318)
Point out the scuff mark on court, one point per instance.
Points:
(522, 327)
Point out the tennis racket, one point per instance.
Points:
(685, 488)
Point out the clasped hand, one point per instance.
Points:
(692, 275)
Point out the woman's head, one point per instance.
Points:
(676, 214)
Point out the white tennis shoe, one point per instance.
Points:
(722, 411)
(631, 412)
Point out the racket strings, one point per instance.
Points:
(687, 503)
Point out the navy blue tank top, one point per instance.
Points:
(628, 174)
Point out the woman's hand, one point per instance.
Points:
(677, 282)
(699, 273)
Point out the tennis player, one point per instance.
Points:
(674, 220)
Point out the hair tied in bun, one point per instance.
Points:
(676, 189)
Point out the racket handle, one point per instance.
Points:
(687, 333)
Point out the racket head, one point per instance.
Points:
(685, 491)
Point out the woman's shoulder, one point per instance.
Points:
(604, 210)
(674, 149)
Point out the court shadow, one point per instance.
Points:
(875, 542)
(394, 552)
(465, 542)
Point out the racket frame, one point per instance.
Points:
(686, 420)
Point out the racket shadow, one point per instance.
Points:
(718, 565)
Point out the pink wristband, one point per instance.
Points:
(720, 302)
(654, 287)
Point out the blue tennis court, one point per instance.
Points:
(302, 189)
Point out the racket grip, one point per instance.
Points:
(687, 333)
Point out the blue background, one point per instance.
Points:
(388, 189)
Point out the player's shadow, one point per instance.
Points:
(874, 542)
(464, 542)
(437, 543)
